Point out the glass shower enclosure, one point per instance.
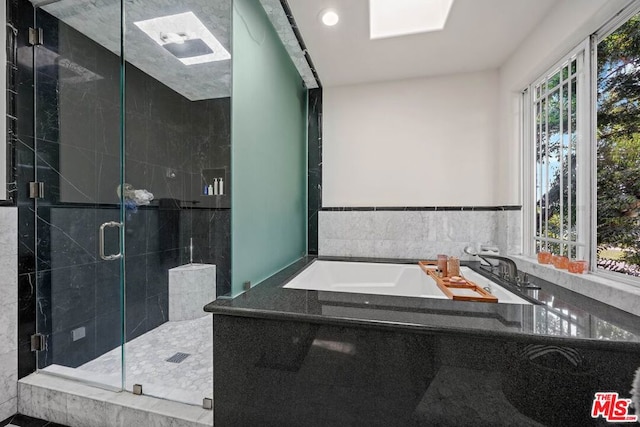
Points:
(132, 158)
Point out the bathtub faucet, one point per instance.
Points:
(511, 274)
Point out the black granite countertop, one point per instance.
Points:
(559, 314)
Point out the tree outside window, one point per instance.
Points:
(618, 150)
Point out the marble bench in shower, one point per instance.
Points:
(191, 286)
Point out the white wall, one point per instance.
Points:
(446, 141)
(417, 142)
(380, 139)
(569, 23)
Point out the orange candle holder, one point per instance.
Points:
(561, 262)
(544, 257)
(578, 266)
(453, 266)
(443, 260)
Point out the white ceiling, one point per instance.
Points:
(479, 35)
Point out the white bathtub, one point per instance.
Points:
(385, 279)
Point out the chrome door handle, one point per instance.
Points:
(101, 244)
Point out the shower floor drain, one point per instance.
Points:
(178, 357)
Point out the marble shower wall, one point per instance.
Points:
(169, 141)
(21, 18)
(416, 233)
(314, 169)
(8, 311)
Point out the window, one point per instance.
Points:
(618, 149)
(556, 106)
(583, 200)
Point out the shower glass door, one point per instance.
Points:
(164, 105)
(78, 164)
(177, 212)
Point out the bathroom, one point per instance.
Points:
(143, 141)
(434, 174)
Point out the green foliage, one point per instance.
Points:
(618, 144)
(558, 141)
(619, 140)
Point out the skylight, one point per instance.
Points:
(185, 37)
(403, 17)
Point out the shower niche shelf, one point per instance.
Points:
(214, 188)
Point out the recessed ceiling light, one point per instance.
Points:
(403, 17)
(185, 37)
(329, 17)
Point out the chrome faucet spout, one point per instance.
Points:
(512, 269)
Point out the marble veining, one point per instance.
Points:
(621, 295)
(8, 311)
(314, 168)
(190, 381)
(415, 234)
(99, 20)
(9, 407)
(421, 208)
(78, 157)
(8, 331)
(71, 403)
(191, 286)
(45, 404)
(281, 24)
(8, 383)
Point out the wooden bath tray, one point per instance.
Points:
(463, 291)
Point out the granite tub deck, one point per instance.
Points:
(286, 357)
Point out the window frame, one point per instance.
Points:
(584, 196)
(586, 129)
(603, 32)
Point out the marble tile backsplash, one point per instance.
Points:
(416, 234)
(8, 311)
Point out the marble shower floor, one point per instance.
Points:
(189, 381)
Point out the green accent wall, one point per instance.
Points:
(268, 151)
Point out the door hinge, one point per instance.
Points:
(36, 36)
(36, 190)
(38, 342)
